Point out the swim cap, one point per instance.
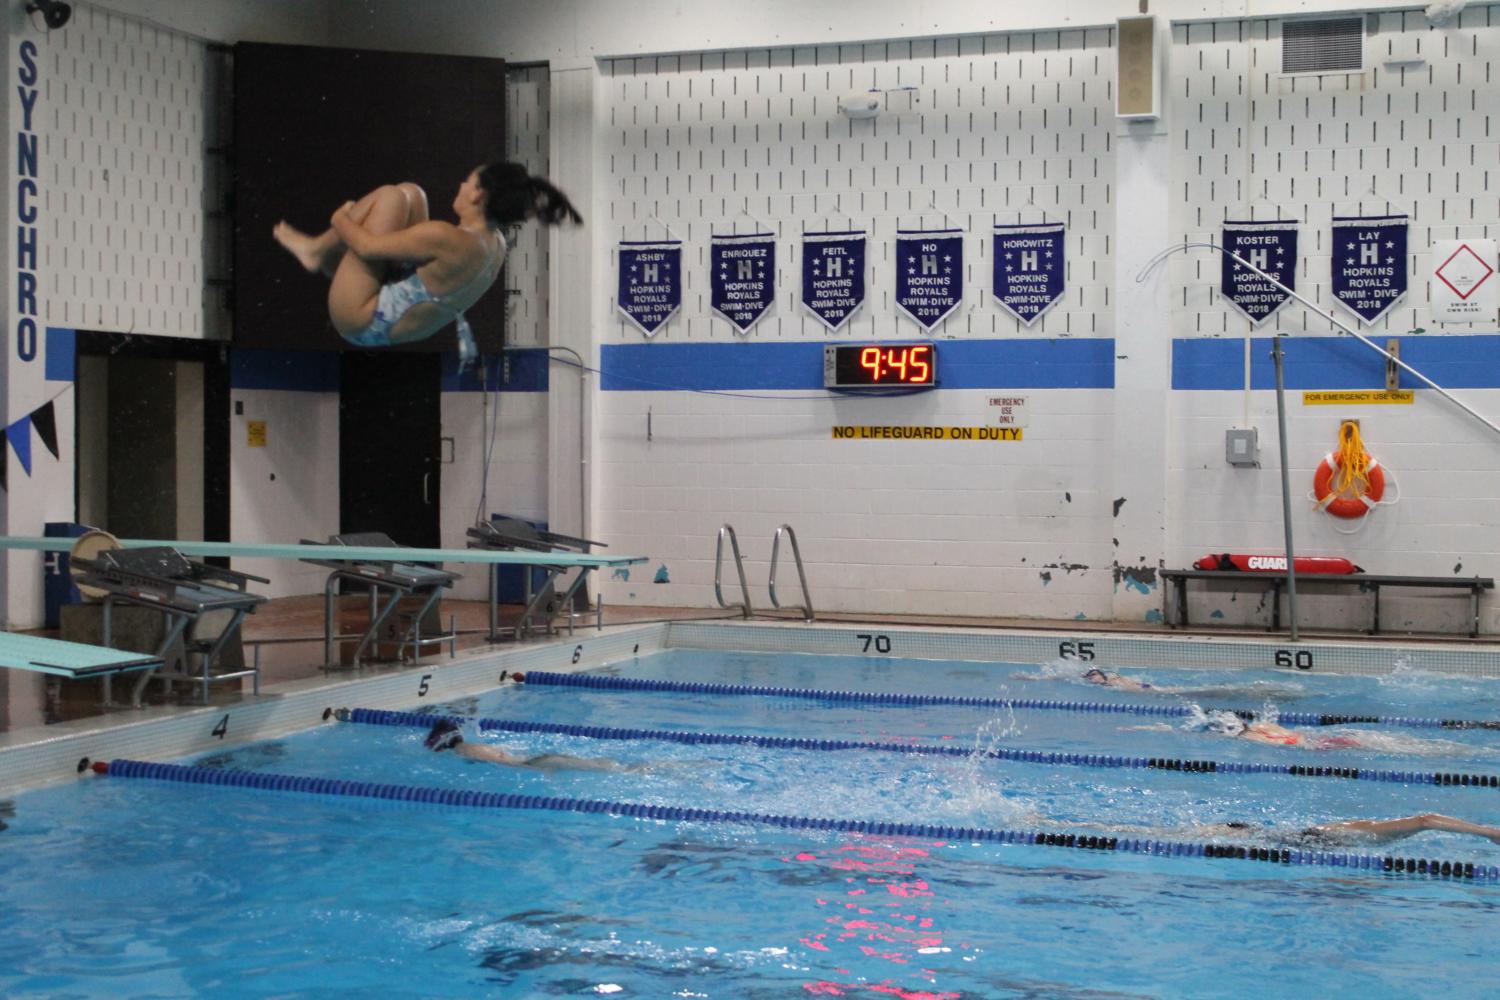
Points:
(444, 735)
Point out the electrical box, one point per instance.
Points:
(1242, 447)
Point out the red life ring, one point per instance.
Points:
(1340, 505)
(1330, 565)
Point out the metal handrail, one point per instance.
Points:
(806, 608)
(739, 564)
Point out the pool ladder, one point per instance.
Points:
(746, 610)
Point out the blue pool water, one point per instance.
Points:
(115, 887)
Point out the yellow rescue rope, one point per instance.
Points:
(1351, 464)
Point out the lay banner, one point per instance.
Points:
(929, 273)
(650, 282)
(744, 277)
(1369, 263)
(1029, 268)
(833, 275)
(1271, 247)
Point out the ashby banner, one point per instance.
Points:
(929, 273)
(743, 277)
(1369, 263)
(1029, 268)
(1269, 246)
(650, 282)
(833, 275)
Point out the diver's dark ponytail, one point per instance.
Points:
(513, 196)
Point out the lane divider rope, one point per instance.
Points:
(381, 717)
(602, 683)
(125, 768)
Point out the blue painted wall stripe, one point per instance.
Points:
(61, 361)
(288, 371)
(1454, 361)
(962, 364)
(529, 372)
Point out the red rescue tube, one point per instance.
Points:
(1330, 565)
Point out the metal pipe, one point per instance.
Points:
(1286, 487)
(1393, 359)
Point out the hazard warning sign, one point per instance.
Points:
(1464, 286)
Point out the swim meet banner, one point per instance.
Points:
(1029, 268)
(1271, 247)
(743, 282)
(650, 289)
(1369, 263)
(929, 273)
(833, 275)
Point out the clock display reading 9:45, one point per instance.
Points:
(879, 366)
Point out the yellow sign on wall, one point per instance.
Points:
(1343, 396)
(851, 432)
(256, 433)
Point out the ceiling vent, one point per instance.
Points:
(1323, 45)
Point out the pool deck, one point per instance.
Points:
(42, 726)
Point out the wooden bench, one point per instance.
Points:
(1276, 583)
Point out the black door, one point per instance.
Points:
(390, 423)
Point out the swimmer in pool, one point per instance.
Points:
(399, 276)
(1096, 676)
(1335, 834)
(445, 735)
(1225, 723)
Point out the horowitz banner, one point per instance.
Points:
(929, 273)
(1029, 268)
(743, 277)
(833, 275)
(650, 289)
(1271, 247)
(1369, 263)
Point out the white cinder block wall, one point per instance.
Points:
(1420, 139)
(1000, 128)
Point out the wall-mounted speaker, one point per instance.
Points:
(1138, 63)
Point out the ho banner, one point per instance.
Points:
(743, 280)
(833, 275)
(1029, 268)
(650, 288)
(929, 273)
(1269, 246)
(1369, 263)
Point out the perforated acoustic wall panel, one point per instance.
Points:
(1003, 128)
(526, 94)
(1417, 132)
(123, 138)
(997, 128)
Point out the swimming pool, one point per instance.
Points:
(118, 887)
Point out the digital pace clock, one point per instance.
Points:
(879, 366)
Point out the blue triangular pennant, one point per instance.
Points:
(19, 434)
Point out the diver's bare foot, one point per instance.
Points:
(300, 245)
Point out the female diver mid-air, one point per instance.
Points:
(398, 276)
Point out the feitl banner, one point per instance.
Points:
(833, 275)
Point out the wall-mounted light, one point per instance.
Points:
(54, 12)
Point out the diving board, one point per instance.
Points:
(73, 660)
(368, 553)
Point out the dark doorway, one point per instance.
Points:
(152, 436)
(390, 426)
